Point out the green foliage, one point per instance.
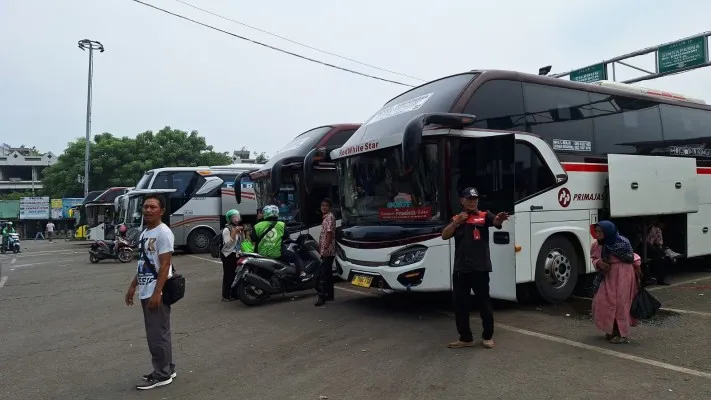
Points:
(261, 158)
(122, 161)
(17, 195)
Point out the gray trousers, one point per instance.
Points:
(159, 342)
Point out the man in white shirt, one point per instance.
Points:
(50, 230)
(153, 270)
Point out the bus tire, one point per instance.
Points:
(557, 269)
(199, 241)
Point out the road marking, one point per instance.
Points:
(676, 310)
(579, 345)
(203, 258)
(2, 281)
(608, 352)
(703, 278)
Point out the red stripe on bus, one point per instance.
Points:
(584, 167)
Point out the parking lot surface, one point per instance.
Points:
(67, 334)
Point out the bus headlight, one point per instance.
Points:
(408, 256)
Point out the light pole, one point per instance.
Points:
(91, 45)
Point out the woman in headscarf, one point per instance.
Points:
(612, 255)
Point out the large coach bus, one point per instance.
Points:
(298, 177)
(194, 201)
(557, 155)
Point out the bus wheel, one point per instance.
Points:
(199, 241)
(557, 269)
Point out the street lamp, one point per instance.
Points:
(91, 45)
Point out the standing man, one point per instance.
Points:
(327, 249)
(50, 230)
(472, 265)
(154, 269)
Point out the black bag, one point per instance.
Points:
(259, 239)
(174, 287)
(644, 305)
(216, 244)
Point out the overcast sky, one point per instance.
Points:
(159, 70)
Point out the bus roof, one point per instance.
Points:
(451, 94)
(302, 144)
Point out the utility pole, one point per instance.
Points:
(91, 45)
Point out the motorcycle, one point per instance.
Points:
(119, 249)
(13, 243)
(259, 277)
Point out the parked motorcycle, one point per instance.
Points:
(119, 249)
(13, 244)
(259, 277)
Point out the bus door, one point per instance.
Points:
(486, 162)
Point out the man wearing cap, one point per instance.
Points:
(472, 265)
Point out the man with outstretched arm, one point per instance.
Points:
(472, 265)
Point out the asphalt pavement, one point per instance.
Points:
(65, 333)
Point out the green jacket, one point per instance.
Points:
(7, 232)
(270, 245)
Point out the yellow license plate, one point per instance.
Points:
(362, 281)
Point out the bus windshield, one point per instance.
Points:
(134, 212)
(145, 180)
(286, 200)
(374, 190)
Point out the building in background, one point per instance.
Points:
(21, 168)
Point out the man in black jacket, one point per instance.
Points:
(472, 265)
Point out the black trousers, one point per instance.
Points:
(326, 277)
(229, 270)
(657, 262)
(463, 284)
(291, 257)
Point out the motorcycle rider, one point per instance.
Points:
(272, 243)
(6, 231)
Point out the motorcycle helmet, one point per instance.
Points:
(270, 211)
(122, 229)
(230, 214)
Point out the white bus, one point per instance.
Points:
(194, 201)
(580, 152)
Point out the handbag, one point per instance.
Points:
(644, 305)
(174, 287)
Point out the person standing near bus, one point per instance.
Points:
(232, 236)
(327, 250)
(472, 265)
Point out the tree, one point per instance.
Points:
(261, 158)
(122, 161)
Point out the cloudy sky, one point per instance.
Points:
(159, 70)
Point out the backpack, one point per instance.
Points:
(216, 244)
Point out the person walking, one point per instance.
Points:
(154, 268)
(50, 230)
(232, 236)
(612, 255)
(472, 265)
(327, 249)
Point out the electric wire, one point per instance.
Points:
(295, 42)
(272, 47)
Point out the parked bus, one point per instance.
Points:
(298, 177)
(557, 155)
(100, 214)
(194, 201)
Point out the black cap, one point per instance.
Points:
(469, 192)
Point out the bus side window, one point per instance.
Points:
(532, 175)
(497, 104)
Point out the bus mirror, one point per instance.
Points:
(412, 137)
(308, 170)
(276, 177)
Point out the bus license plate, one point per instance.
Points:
(362, 281)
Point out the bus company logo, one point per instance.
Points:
(357, 148)
(564, 197)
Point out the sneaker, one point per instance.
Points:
(154, 383)
(173, 374)
(460, 344)
(489, 344)
(320, 302)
